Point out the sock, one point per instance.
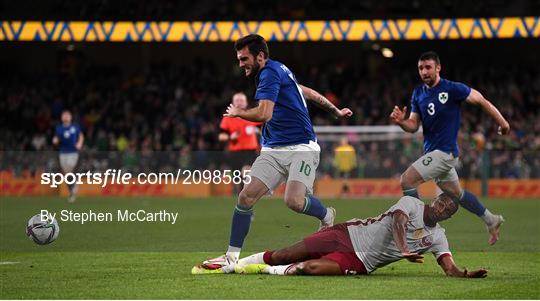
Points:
(240, 226)
(267, 257)
(279, 269)
(314, 207)
(70, 188)
(411, 192)
(253, 259)
(233, 253)
(488, 217)
(470, 202)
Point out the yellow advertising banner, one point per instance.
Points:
(275, 31)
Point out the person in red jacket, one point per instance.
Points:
(241, 136)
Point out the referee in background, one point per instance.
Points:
(241, 136)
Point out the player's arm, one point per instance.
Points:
(449, 267)
(399, 231)
(261, 113)
(410, 125)
(223, 137)
(224, 127)
(476, 98)
(324, 103)
(56, 139)
(80, 141)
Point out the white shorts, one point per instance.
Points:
(68, 161)
(276, 165)
(437, 165)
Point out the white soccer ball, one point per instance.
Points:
(42, 229)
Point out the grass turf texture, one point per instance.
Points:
(153, 260)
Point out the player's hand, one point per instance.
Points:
(78, 146)
(398, 115)
(344, 113)
(481, 273)
(232, 111)
(235, 135)
(413, 257)
(503, 129)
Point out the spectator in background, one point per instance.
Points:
(167, 100)
(345, 163)
(345, 158)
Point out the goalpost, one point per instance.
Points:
(331, 133)
(382, 151)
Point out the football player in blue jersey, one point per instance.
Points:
(289, 153)
(70, 139)
(436, 105)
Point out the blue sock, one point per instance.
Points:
(314, 207)
(411, 192)
(240, 225)
(470, 202)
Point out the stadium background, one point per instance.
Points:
(149, 105)
(133, 98)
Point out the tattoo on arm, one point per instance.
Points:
(319, 99)
(325, 103)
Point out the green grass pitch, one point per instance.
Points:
(133, 260)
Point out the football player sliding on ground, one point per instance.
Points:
(289, 153)
(436, 105)
(405, 231)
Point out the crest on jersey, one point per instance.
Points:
(443, 97)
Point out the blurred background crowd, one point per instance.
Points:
(257, 10)
(177, 108)
(136, 103)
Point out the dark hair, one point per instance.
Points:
(255, 44)
(430, 55)
(446, 198)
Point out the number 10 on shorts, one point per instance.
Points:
(305, 168)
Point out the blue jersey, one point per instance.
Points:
(68, 136)
(440, 112)
(290, 123)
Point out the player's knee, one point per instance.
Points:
(454, 192)
(247, 199)
(295, 202)
(453, 189)
(280, 257)
(404, 181)
(312, 268)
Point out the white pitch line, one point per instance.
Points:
(8, 262)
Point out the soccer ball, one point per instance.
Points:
(42, 232)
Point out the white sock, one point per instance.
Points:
(252, 259)
(328, 217)
(233, 253)
(278, 269)
(488, 217)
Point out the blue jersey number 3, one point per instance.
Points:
(431, 109)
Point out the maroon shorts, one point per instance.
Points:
(335, 244)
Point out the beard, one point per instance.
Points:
(428, 81)
(254, 70)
